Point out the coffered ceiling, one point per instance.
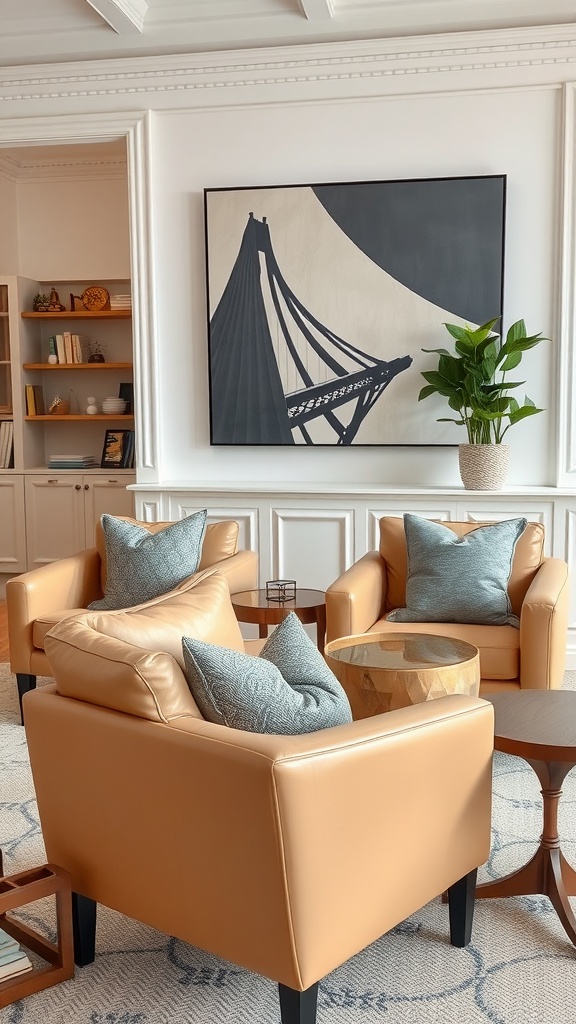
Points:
(49, 31)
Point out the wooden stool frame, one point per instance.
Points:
(19, 890)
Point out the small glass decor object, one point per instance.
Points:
(281, 590)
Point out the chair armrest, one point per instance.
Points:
(240, 570)
(357, 599)
(66, 583)
(362, 823)
(544, 627)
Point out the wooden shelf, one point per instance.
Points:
(80, 416)
(67, 314)
(77, 366)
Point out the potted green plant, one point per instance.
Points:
(474, 381)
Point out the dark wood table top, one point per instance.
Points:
(257, 599)
(536, 724)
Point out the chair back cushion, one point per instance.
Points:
(220, 541)
(528, 555)
(132, 660)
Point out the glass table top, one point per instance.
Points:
(401, 651)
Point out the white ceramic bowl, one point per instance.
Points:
(113, 406)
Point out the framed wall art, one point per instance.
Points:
(321, 299)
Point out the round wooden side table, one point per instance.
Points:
(540, 727)
(384, 671)
(309, 605)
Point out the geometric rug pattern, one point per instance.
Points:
(520, 967)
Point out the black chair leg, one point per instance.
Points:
(461, 909)
(25, 683)
(298, 1007)
(84, 929)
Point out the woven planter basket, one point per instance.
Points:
(483, 467)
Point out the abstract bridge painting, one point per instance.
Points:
(322, 297)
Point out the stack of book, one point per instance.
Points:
(13, 959)
(67, 347)
(6, 443)
(72, 462)
(34, 400)
(120, 302)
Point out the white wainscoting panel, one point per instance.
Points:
(312, 546)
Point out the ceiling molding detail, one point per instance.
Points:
(317, 10)
(126, 17)
(26, 170)
(330, 63)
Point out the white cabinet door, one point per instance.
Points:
(105, 494)
(54, 518)
(12, 533)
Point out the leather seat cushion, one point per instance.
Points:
(46, 622)
(499, 646)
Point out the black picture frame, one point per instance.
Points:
(116, 450)
(321, 299)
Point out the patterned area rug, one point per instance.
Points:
(519, 968)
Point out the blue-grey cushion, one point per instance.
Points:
(459, 579)
(141, 565)
(287, 689)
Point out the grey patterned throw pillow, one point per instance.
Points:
(459, 579)
(141, 565)
(288, 689)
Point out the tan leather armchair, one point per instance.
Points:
(531, 657)
(262, 835)
(38, 599)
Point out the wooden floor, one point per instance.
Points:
(4, 655)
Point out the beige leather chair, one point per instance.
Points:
(531, 657)
(38, 599)
(283, 854)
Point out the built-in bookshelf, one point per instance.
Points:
(74, 378)
(56, 485)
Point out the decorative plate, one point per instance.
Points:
(95, 298)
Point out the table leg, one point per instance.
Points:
(262, 630)
(321, 628)
(547, 873)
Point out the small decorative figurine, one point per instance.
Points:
(91, 407)
(54, 305)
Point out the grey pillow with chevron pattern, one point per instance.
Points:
(459, 579)
(141, 565)
(287, 689)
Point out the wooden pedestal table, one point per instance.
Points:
(384, 671)
(19, 890)
(540, 727)
(309, 605)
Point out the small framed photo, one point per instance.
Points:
(116, 449)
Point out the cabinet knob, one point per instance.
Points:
(112, 481)
(77, 487)
(52, 481)
(86, 487)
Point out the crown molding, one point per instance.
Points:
(26, 169)
(126, 17)
(406, 58)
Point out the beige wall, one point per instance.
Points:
(74, 230)
(9, 232)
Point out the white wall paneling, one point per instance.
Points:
(570, 537)
(311, 545)
(566, 360)
(247, 518)
(398, 508)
